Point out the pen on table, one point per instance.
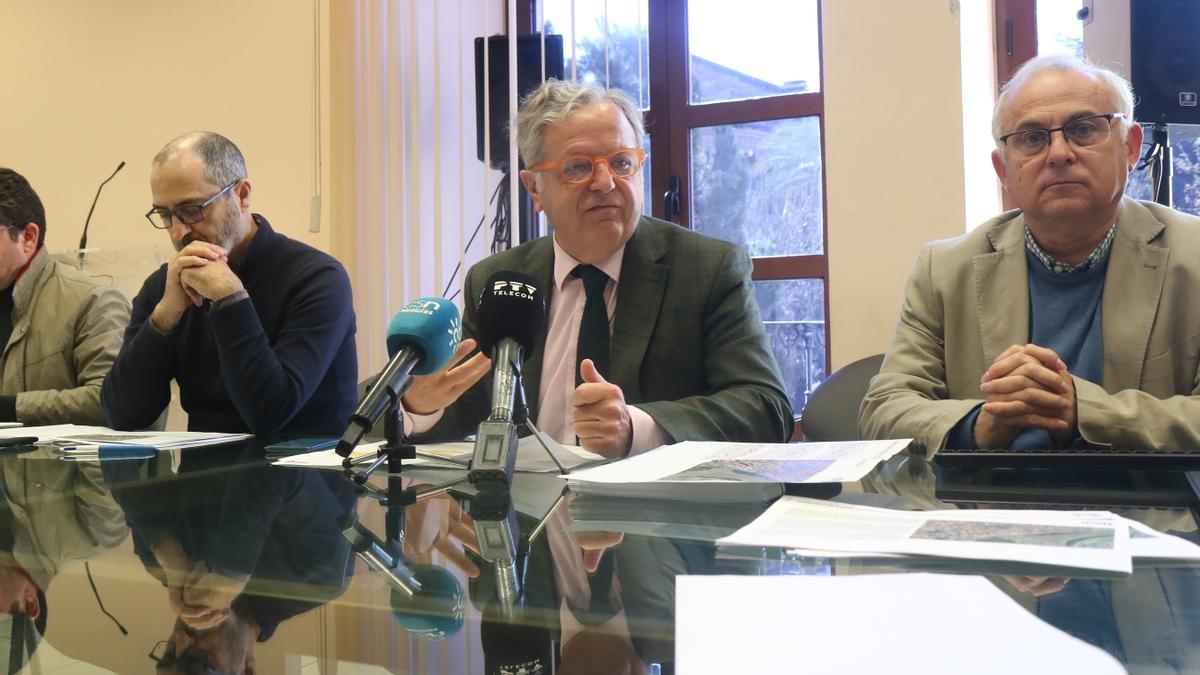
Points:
(109, 451)
(15, 441)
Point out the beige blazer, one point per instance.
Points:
(66, 333)
(967, 300)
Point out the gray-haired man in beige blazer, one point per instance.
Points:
(1071, 320)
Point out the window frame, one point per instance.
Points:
(671, 118)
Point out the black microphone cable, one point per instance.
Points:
(88, 568)
(502, 223)
(88, 220)
(458, 265)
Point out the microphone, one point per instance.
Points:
(426, 600)
(498, 534)
(512, 637)
(83, 238)
(512, 316)
(421, 339)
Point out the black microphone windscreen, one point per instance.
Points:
(511, 306)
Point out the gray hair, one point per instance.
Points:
(1119, 88)
(223, 162)
(555, 100)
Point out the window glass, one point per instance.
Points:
(794, 313)
(733, 53)
(1185, 183)
(759, 185)
(605, 41)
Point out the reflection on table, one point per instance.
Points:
(233, 562)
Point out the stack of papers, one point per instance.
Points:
(75, 434)
(672, 518)
(713, 471)
(1096, 541)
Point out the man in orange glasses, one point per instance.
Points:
(653, 336)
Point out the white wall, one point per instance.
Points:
(92, 83)
(981, 188)
(893, 155)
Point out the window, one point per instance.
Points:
(732, 93)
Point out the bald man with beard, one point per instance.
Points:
(257, 328)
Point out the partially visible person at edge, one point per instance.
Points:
(60, 330)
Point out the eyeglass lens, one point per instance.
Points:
(1082, 133)
(189, 214)
(578, 169)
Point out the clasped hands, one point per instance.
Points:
(200, 597)
(198, 272)
(598, 409)
(1027, 387)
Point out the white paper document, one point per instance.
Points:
(709, 462)
(1086, 540)
(62, 434)
(919, 624)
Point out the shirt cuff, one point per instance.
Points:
(231, 299)
(647, 435)
(415, 424)
(962, 435)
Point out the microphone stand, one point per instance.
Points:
(394, 451)
(386, 556)
(522, 417)
(1161, 165)
(500, 543)
(496, 443)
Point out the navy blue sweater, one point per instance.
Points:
(1065, 316)
(282, 360)
(279, 528)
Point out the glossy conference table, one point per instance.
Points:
(277, 543)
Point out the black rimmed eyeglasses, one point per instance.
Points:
(1082, 133)
(188, 214)
(192, 660)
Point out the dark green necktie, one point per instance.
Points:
(593, 327)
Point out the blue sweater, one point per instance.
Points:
(283, 360)
(1064, 315)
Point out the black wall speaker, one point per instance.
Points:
(529, 76)
(1165, 56)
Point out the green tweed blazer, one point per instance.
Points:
(688, 345)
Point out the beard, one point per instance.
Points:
(226, 234)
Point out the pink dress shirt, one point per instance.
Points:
(558, 360)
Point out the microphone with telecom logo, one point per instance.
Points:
(512, 317)
(421, 339)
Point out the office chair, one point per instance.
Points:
(831, 413)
